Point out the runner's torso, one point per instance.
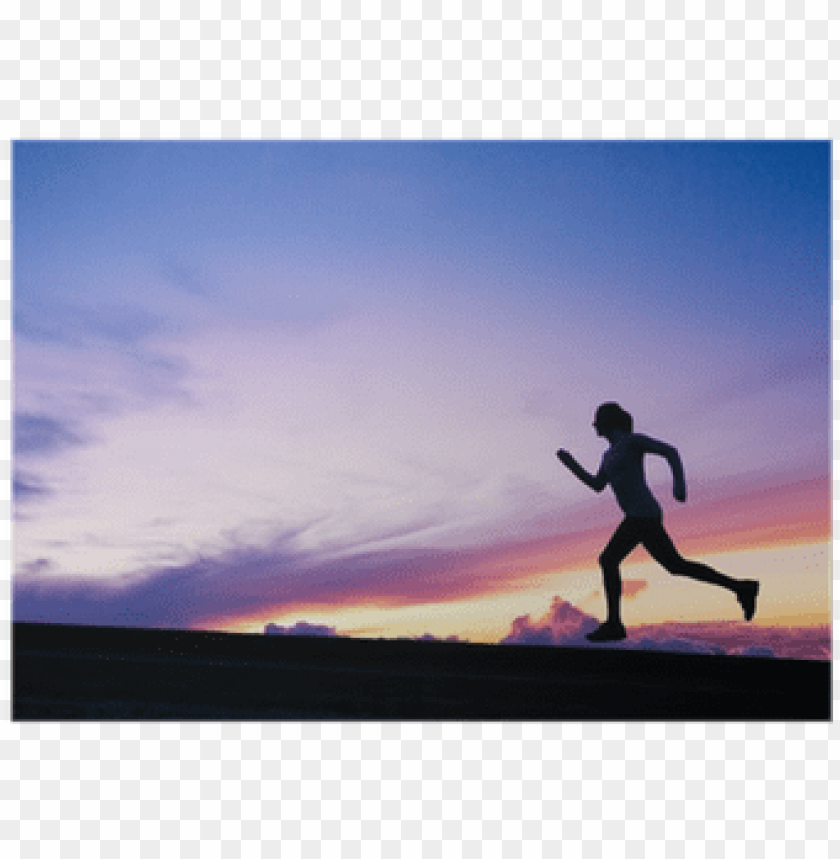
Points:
(622, 466)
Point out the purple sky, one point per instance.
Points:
(345, 351)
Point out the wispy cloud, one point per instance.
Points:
(755, 509)
(37, 567)
(81, 326)
(42, 435)
(401, 566)
(211, 593)
(248, 582)
(27, 488)
(182, 276)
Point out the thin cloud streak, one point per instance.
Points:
(42, 435)
(27, 488)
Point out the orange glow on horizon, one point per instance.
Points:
(488, 617)
(485, 579)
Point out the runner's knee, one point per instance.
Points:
(676, 566)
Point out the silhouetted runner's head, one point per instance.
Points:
(610, 416)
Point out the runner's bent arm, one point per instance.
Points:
(651, 445)
(596, 482)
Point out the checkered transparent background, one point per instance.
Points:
(505, 69)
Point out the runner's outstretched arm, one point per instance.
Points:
(597, 481)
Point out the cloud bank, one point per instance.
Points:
(251, 586)
(302, 628)
(565, 624)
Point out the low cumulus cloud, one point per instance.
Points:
(747, 639)
(754, 650)
(302, 628)
(565, 624)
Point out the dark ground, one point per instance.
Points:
(103, 673)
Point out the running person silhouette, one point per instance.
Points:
(621, 468)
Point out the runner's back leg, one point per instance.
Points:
(663, 551)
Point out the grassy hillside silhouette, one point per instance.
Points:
(65, 672)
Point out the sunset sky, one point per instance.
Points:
(274, 382)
